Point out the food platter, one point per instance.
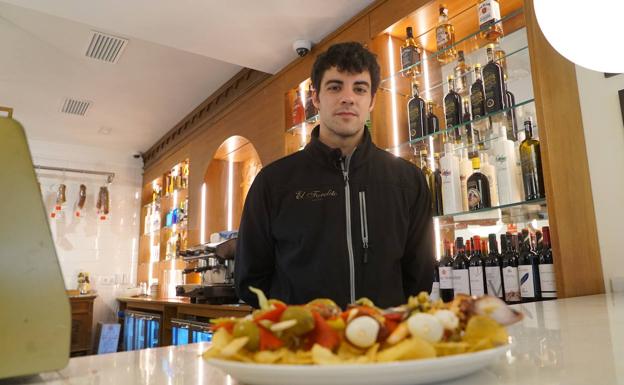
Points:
(410, 372)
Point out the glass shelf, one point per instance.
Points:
(303, 125)
(468, 74)
(467, 44)
(413, 143)
(513, 212)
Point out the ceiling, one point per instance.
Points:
(179, 52)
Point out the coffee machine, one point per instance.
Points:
(215, 263)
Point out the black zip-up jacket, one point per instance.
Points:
(313, 230)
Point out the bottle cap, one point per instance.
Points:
(477, 67)
(409, 32)
(476, 163)
(443, 10)
(451, 77)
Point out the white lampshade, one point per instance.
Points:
(588, 33)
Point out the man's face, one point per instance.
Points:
(344, 101)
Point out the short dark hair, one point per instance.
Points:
(351, 57)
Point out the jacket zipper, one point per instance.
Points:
(344, 163)
(364, 225)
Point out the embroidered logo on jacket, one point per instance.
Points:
(316, 195)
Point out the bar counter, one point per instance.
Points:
(570, 341)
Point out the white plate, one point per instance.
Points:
(393, 373)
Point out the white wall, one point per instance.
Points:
(604, 138)
(107, 249)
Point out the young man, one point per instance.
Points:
(341, 219)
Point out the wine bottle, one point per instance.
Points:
(469, 139)
(452, 106)
(445, 271)
(531, 161)
(528, 270)
(410, 55)
(477, 94)
(416, 113)
(436, 188)
(488, 12)
(493, 84)
(494, 270)
(435, 286)
(461, 275)
(477, 270)
(433, 123)
(451, 184)
(462, 71)
(548, 282)
(510, 271)
(445, 36)
(478, 188)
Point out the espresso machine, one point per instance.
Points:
(215, 263)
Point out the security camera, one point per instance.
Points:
(302, 47)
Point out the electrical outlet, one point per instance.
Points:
(107, 280)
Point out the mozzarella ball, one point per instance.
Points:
(448, 319)
(362, 331)
(426, 327)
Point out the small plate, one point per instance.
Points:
(392, 373)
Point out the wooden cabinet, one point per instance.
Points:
(82, 324)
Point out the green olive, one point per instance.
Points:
(325, 307)
(303, 316)
(248, 328)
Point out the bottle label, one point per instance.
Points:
(477, 104)
(461, 282)
(446, 277)
(489, 12)
(450, 112)
(415, 112)
(510, 279)
(494, 281)
(475, 197)
(492, 84)
(435, 291)
(547, 280)
(441, 37)
(527, 286)
(409, 56)
(476, 281)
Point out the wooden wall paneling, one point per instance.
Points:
(566, 173)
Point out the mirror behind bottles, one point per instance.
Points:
(227, 181)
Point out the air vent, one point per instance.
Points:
(75, 107)
(105, 47)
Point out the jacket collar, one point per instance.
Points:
(331, 156)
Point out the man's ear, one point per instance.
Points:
(372, 104)
(315, 99)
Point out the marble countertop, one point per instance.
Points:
(572, 341)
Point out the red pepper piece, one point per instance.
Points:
(323, 334)
(227, 325)
(268, 341)
(272, 315)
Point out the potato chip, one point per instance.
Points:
(483, 344)
(347, 352)
(268, 356)
(324, 356)
(234, 346)
(371, 353)
(409, 349)
(481, 327)
(450, 348)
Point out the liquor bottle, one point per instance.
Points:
(461, 275)
(489, 19)
(478, 188)
(494, 270)
(477, 94)
(433, 123)
(503, 155)
(416, 113)
(436, 188)
(298, 112)
(511, 282)
(528, 270)
(468, 134)
(465, 170)
(462, 72)
(452, 106)
(531, 162)
(548, 282)
(493, 84)
(445, 37)
(410, 55)
(310, 108)
(451, 184)
(445, 271)
(435, 286)
(490, 172)
(510, 114)
(477, 270)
